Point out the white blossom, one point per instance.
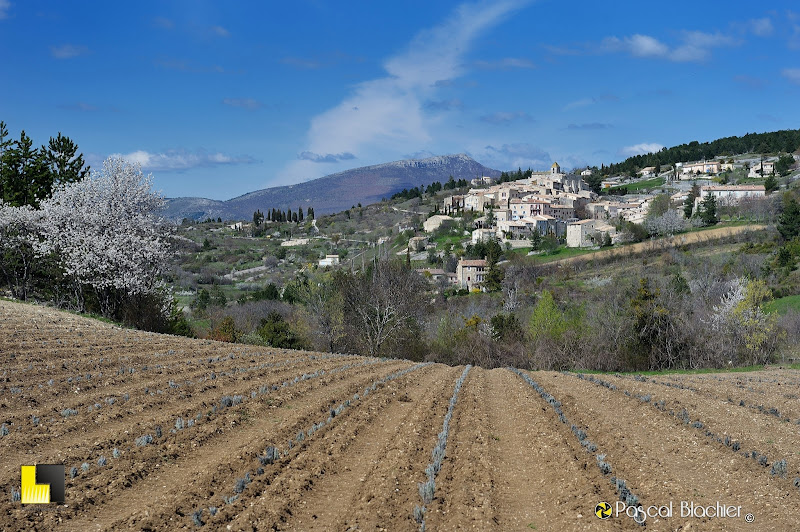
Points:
(669, 223)
(20, 238)
(106, 230)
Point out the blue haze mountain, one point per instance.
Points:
(334, 192)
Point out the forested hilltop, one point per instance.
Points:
(787, 140)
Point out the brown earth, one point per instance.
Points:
(510, 463)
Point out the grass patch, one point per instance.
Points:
(441, 241)
(783, 305)
(562, 253)
(641, 185)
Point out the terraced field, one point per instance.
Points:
(165, 433)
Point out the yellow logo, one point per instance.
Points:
(602, 510)
(42, 484)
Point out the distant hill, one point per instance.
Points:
(787, 140)
(335, 192)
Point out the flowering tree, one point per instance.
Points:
(669, 223)
(107, 233)
(20, 230)
(742, 327)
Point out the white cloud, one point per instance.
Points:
(501, 117)
(583, 102)
(636, 45)
(588, 126)
(245, 103)
(80, 106)
(422, 154)
(794, 21)
(385, 115)
(640, 149)
(443, 105)
(219, 31)
(761, 27)
(163, 23)
(327, 158)
(515, 155)
(505, 64)
(181, 160)
(695, 46)
(5, 5)
(299, 62)
(792, 74)
(67, 51)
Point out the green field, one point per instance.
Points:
(642, 185)
(784, 305)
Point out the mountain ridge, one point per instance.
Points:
(334, 192)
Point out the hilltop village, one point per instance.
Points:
(564, 207)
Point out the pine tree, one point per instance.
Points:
(536, 239)
(65, 163)
(789, 220)
(26, 179)
(770, 183)
(5, 143)
(708, 210)
(688, 206)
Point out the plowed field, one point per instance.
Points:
(165, 433)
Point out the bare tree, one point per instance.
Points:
(382, 304)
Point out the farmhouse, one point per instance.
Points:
(417, 243)
(482, 235)
(434, 222)
(762, 168)
(587, 233)
(648, 171)
(437, 274)
(700, 167)
(329, 260)
(530, 206)
(469, 273)
(481, 181)
(731, 194)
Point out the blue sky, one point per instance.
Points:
(217, 99)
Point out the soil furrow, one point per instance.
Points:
(162, 477)
(373, 483)
(665, 461)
